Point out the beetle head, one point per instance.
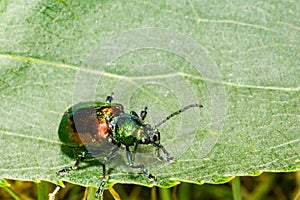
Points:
(152, 135)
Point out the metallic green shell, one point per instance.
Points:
(128, 129)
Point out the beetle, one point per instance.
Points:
(86, 126)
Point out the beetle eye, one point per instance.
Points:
(156, 136)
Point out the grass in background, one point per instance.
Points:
(281, 186)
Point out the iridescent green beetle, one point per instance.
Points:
(87, 126)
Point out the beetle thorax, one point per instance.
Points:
(127, 129)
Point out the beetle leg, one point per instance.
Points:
(109, 98)
(132, 156)
(103, 182)
(142, 116)
(144, 170)
(109, 156)
(144, 113)
(168, 158)
(130, 163)
(129, 156)
(135, 147)
(74, 167)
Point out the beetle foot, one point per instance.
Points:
(152, 177)
(149, 175)
(166, 159)
(101, 187)
(170, 159)
(65, 171)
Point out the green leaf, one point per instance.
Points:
(240, 60)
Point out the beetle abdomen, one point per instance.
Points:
(87, 123)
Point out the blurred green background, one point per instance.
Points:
(267, 186)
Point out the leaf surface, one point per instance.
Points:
(248, 83)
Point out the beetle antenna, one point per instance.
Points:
(178, 112)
